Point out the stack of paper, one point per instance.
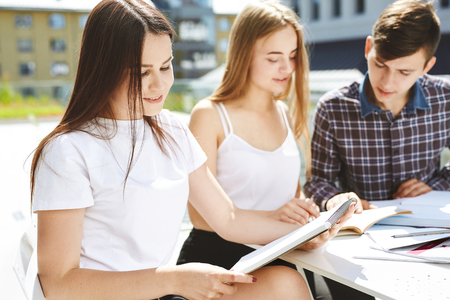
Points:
(391, 237)
(431, 252)
(423, 236)
(408, 244)
(429, 210)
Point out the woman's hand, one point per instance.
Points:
(198, 281)
(338, 199)
(296, 211)
(320, 240)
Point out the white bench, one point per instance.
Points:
(25, 265)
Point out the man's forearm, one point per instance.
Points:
(320, 190)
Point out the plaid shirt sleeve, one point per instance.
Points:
(326, 163)
(441, 182)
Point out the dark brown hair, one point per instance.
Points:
(404, 28)
(111, 52)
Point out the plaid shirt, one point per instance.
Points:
(359, 147)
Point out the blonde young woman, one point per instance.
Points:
(245, 129)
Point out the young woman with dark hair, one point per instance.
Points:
(110, 184)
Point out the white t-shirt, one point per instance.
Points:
(134, 230)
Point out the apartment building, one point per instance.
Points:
(39, 43)
(194, 46)
(336, 31)
(223, 26)
(225, 13)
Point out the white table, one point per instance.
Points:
(379, 278)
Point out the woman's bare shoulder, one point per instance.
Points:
(204, 105)
(205, 113)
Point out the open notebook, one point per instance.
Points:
(272, 251)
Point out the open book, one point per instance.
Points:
(270, 252)
(359, 223)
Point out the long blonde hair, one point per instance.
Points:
(260, 19)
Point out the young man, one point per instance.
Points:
(382, 138)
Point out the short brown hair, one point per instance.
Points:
(404, 28)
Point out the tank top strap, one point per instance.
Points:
(230, 126)
(226, 123)
(283, 112)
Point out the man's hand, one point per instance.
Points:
(338, 199)
(411, 188)
(296, 211)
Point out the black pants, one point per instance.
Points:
(171, 297)
(208, 247)
(338, 291)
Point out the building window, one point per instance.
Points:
(27, 69)
(296, 7)
(59, 69)
(445, 3)
(223, 45)
(82, 20)
(315, 5)
(336, 8)
(58, 45)
(224, 24)
(57, 21)
(25, 45)
(360, 6)
(58, 92)
(193, 31)
(28, 92)
(202, 3)
(23, 21)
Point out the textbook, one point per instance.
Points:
(359, 223)
(291, 241)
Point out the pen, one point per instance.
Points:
(421, 233)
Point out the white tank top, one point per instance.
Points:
(254, 178)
